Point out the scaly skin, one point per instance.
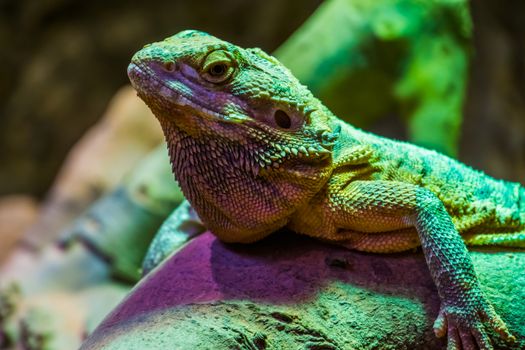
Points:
(254, 151)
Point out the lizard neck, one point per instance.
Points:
(236, 197)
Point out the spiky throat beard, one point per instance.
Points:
(241, 179)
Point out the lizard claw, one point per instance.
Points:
(467, 329)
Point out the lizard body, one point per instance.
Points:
(254, 151)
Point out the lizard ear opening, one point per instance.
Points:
(282, 119)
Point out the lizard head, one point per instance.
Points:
(229, 112)
(206, 87)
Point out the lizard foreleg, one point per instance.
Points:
(380, 206)
(180, 227)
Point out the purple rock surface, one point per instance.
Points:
(291, 292)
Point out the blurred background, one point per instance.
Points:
(61, 62)
(80, 155)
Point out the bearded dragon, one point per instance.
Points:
(254, 151)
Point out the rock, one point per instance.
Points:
(17, 213)
(98, 161)
(53, 299)
(120, 225)
(291, 292)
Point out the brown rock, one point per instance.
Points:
(97, 162)
(17, 213)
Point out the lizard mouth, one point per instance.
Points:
(148, 82)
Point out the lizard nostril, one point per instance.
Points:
(169, 66)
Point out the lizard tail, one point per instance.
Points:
(516, 236)
(514, 239)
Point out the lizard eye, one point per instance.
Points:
(217, 67)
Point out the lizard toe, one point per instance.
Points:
(453, 340)
(482, 339)
(490, 317)
(467, 340)
(470, 329)
(440, 324)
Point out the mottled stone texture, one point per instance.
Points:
(291, 292)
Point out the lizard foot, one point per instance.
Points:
(468, 327)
